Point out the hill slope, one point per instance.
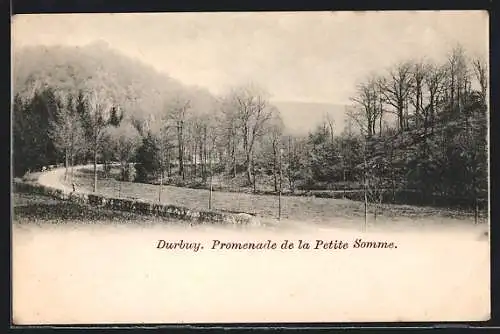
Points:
(138, 87)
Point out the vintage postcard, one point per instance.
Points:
(250, 167)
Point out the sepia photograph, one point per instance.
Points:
(250, 167)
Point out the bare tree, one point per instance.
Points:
(331, 126)
(458, 77)
(99, 104)
(273, 136)
(253, 113)
(434, 79)
(369, 103)
(198, 126)
(178, 108)
(481, 75)
(230, 128)
(417, 96)
(397, 89)
(67, 133)
(164, 133)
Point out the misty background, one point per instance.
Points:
(310, 62)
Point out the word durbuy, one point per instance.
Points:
(194, 246)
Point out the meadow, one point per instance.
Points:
(309, 209)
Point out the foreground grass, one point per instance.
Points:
(310, 209)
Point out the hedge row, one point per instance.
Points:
(134, 205)
(409, 197)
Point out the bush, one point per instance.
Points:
(130, 173)
(94, 200)
(78, 198)
(143, 207)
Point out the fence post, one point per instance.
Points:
(281, 177)
(211, 173)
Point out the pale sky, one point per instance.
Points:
(296, 56)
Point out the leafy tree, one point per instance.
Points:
(66, 132)
(146, 159)
(125, 141)
(115, 117)
(99, 104)
(33, 147)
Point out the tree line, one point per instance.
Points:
(415, 131)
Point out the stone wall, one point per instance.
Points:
(137, 206)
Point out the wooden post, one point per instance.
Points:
(365, 187)
(476, 210)
(66, 163)
(210, 192)
(161, 183)
(279, 194)
(290, 164)
(72, 168)
(95, 167)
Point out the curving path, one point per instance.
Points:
(53, 178)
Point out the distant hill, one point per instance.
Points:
(302, 117)
(71, 68)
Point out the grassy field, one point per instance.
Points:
(38, 209)
(310, 209)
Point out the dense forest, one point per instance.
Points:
(416, 133)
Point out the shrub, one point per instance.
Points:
(143, 207)
(79, 198)
(94, 200)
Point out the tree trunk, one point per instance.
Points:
(281, 184)
(366, 207)
(66, 164)
(274, 168)
(290, 176)
(401, 118)
(211, 181)
(95, 168)
(476, 210)
(254, 176)
(233, 153)
(195, 162)
(72, 164)
(380, 126)
(365, 188)
(183, 169)
(180, 149)
(169, 167)
(248, 168)
(161, 185)
(204, 154)
(202, 162)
